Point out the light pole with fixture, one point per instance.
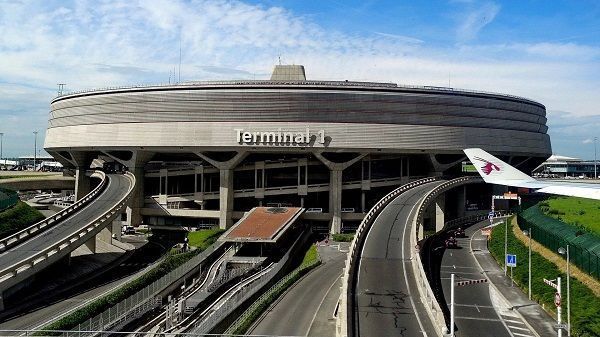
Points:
(528, 233)
(563, 251)
(595, 170)
(1, 136)
(34, 149)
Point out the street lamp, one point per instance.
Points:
(35, 150)
(1, 136)
(595, 170)
(563, 251)
(505, 245)
(528, 233)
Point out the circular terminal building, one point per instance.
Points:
(204, 153)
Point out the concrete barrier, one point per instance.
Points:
(50, 221)
(23, 269)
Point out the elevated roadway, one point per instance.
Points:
(44, 246)
(295, 313)
(386, 297)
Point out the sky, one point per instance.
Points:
(548, 51)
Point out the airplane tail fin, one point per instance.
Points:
(494, 170)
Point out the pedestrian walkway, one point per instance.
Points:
(517, 303)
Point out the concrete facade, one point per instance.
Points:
(286, 141)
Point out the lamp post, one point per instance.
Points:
(1, 136)
(505, 244)
(34, 149)
(563, 251)
(595, 170)
(528, 233)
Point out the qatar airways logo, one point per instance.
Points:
(279, 137)
(489, 167)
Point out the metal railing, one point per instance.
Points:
(144, 300)
(265, 296)
(64, 246)
(426, 293)
(183, 85)
(50, 221)
(243, 292)
(346, 315)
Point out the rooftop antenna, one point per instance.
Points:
(61, 88)
(279, 57)
(179, 76)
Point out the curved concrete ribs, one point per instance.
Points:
(37, 247)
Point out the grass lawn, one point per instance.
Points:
(583, 213)
(204, 237)
(585, 306)
(311, 255)
(18, 217)
(346, 237)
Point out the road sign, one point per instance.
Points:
(557, 299)
(464, 283)
(511, 260)
(550, 283)
(560, 326)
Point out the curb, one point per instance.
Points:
(498, 291)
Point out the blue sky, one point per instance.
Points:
(548, 51)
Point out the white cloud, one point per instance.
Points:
(475, 18)
(108, 43)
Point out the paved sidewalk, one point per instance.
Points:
(517, 301)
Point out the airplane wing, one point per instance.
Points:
(495, 171)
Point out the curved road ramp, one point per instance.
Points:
(29, 251)
(385, 289)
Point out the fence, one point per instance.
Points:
(264, 299)
(8, 198)
(346, 312)
(142, 301)
(243, 292)
(584, 248)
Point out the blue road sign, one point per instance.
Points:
(511, 260)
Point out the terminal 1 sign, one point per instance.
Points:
(279, 137)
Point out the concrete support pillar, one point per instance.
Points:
(226, 198)
(83, 183)
(461, 201)
(363, 202)
(440, 204)
(134, 218)
(91, 244)
(335, 200)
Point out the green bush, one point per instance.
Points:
(204, 237)
(17, 218)
(346, 237)
(311, 260)
(585, 306)
(100, 305)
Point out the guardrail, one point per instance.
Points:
(346, 315)
(66, 245)
(475, 218)
(245, 291)
(50, 221)
(141, 302)
(388, 85)
(426, 293)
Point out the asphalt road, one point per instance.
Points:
(116, 189)
(387, 298)
(308, 307)
(478, 307)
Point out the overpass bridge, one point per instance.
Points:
(33, 249)
(385, 289)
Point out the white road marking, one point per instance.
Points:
(321, 303)
(520, 334)
(518, 328)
